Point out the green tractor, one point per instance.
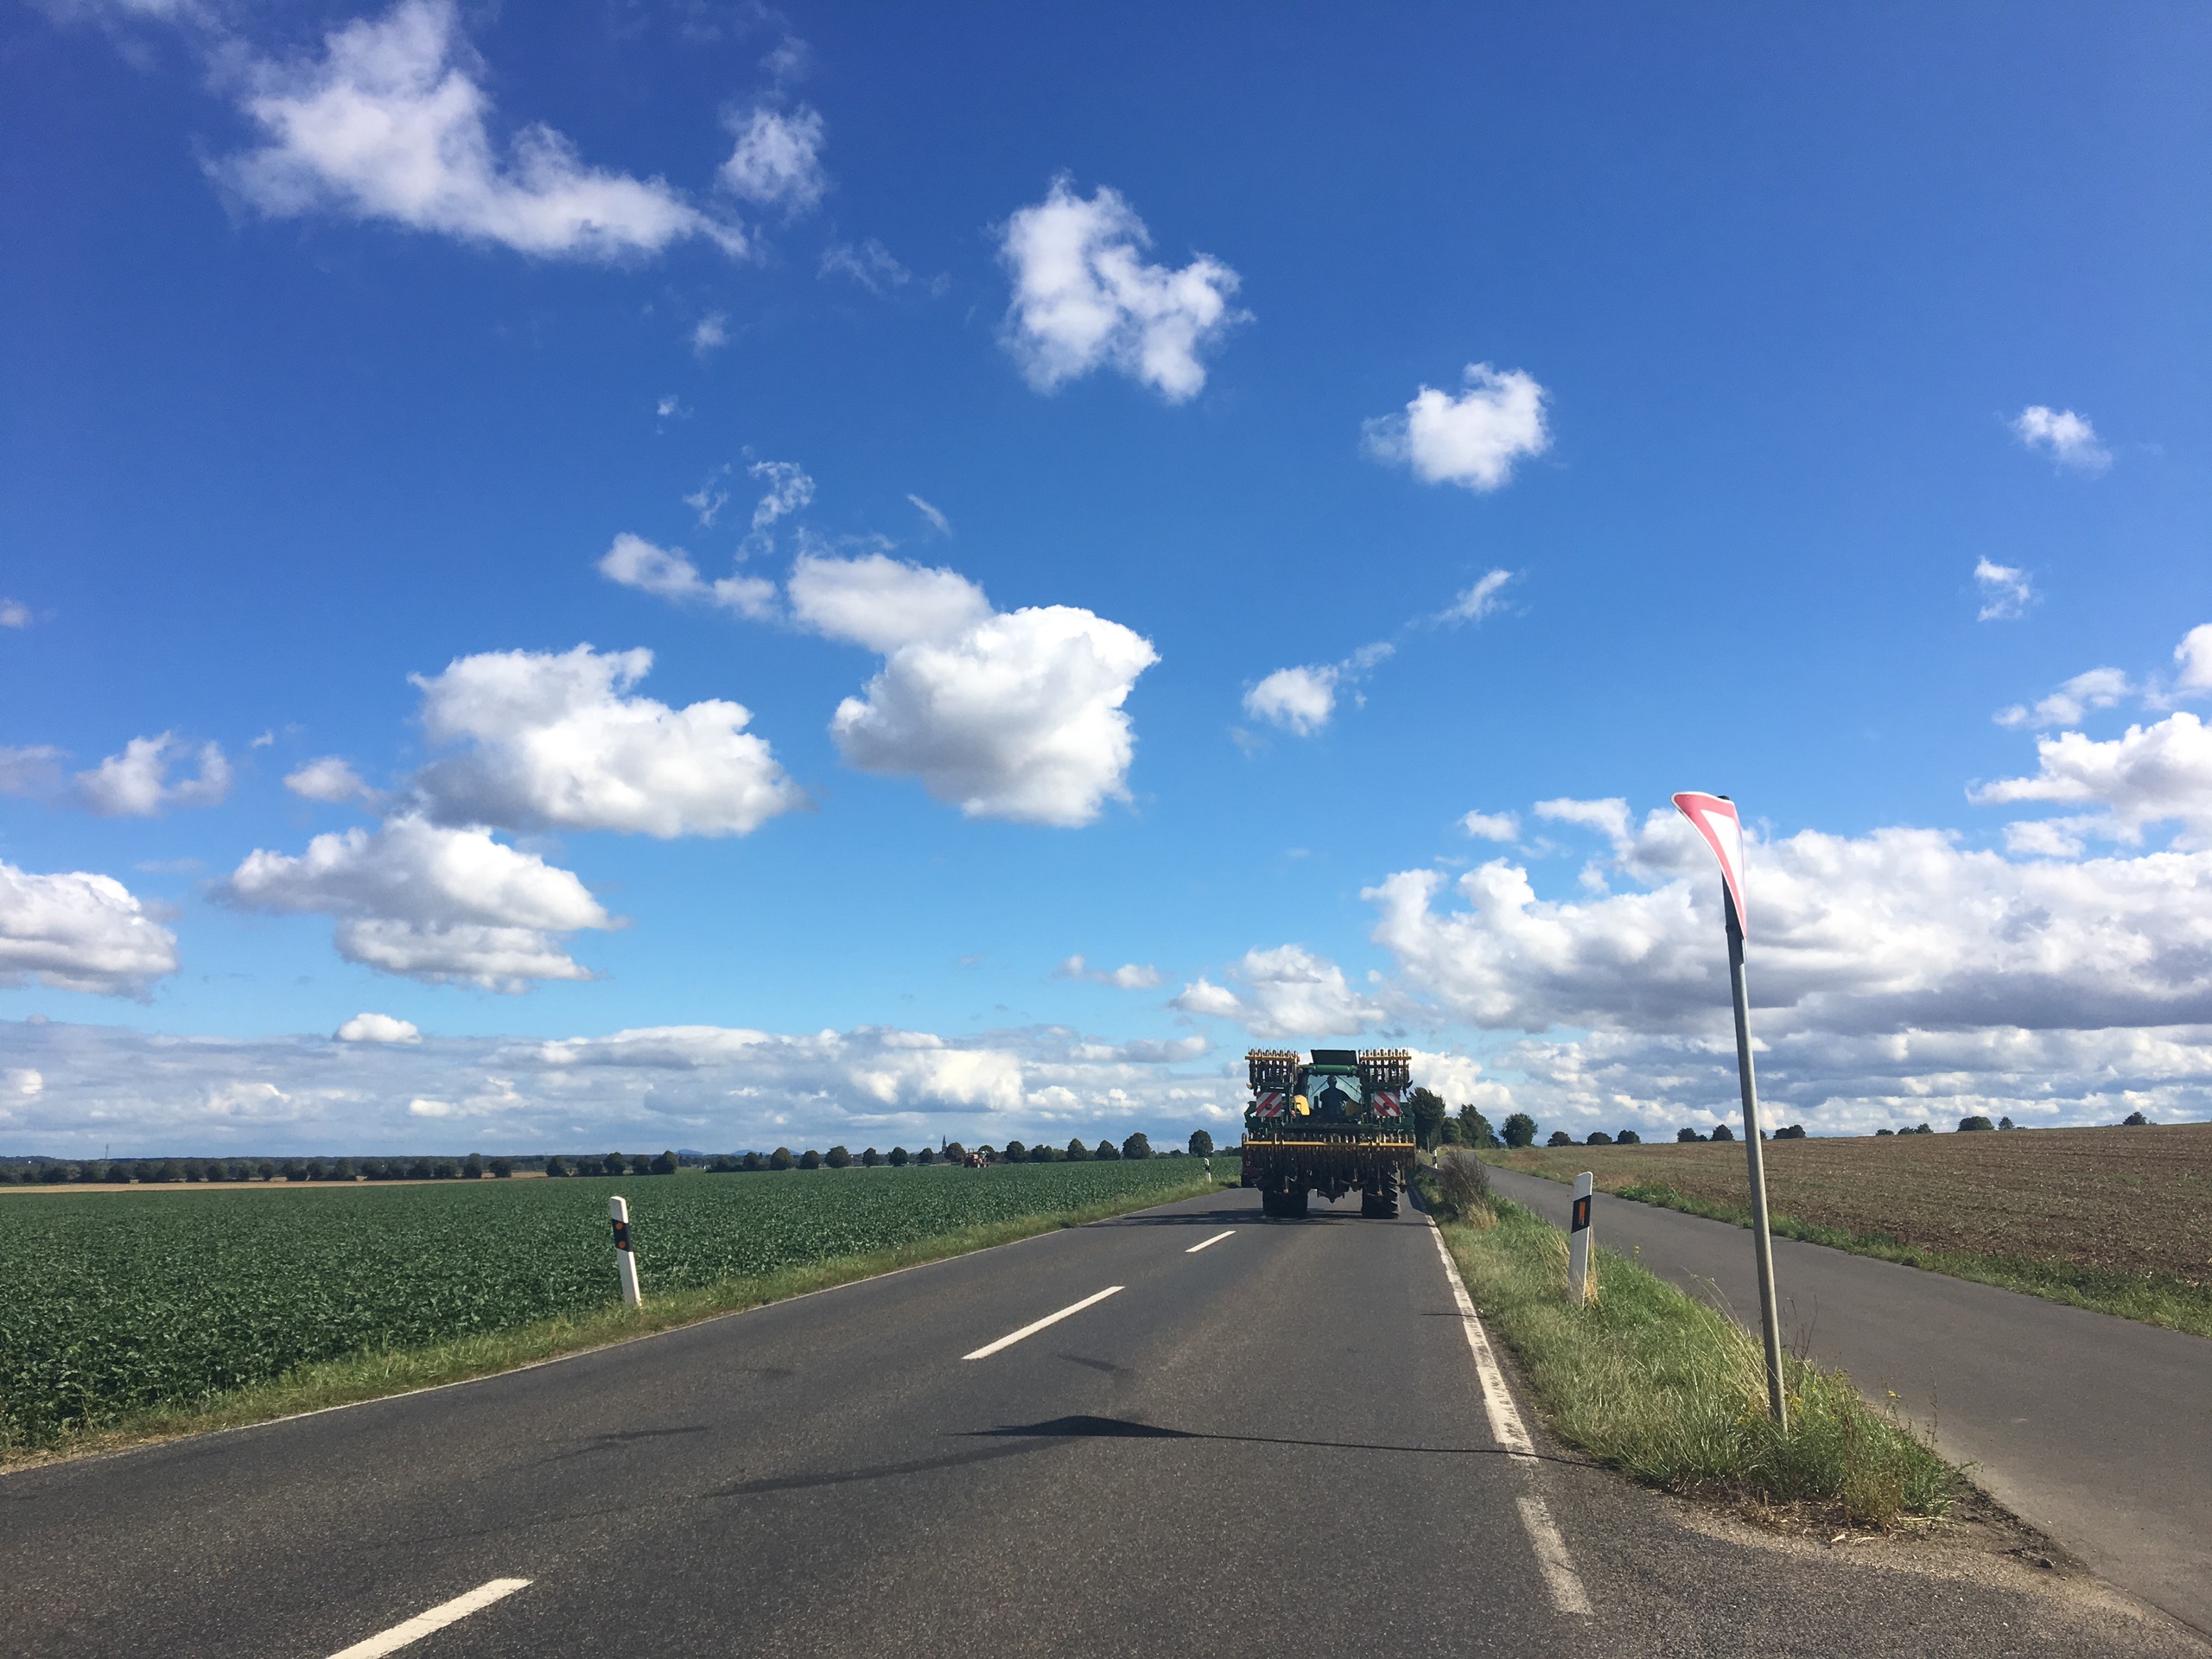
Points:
(1328, 1125)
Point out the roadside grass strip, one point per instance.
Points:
(424, 1623)
(1049, 1320)
(64, 1356)
(1672, 1391)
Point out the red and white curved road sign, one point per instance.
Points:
(1716, 820)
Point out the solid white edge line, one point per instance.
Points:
(1560, 1576)
(1560, 1579)
(1202, 1242)
(445, 1613)
(1011, 1337)
(1505, 1425)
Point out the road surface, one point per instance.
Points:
(1278, 1440)
(2096, 1429)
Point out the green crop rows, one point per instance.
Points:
(117, 1301)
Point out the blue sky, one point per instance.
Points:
(1787, 327)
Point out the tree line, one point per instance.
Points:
(157, 1172)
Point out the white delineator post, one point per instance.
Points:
(1580, 1289)
(625, 1262)
(1715, 818)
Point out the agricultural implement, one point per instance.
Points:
(1329, 1125)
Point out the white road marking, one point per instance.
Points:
(1560, 1576)
(1202, 1244)
(445, 1613)
(1505, 1425)
(1009, 1340)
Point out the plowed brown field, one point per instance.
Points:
(2125, 1200)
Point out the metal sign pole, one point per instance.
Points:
(1770, 1325)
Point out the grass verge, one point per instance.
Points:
(2153, 1299)
(1673, 1392)
(377, 1374)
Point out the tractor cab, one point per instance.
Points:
(1331, 1087)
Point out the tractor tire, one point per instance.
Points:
(1379, 1206)
(1294, 1204)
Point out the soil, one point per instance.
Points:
(2133, 1201)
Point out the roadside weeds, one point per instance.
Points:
(1671, 1391)
(356, 1378)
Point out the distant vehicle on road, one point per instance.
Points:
(1328, 1125)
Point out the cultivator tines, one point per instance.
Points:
(1387, 1069)
(1272, 1069)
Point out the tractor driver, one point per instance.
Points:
(1334, 1102)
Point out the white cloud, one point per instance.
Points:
(2101, 688)
(14, 614)
(1129, 976)
(778, 161)
(1479, 600)
(2149, 774)
(1491, 826)
(944, 527)
(390, 124)
(710, 499)
(2007, 592)
(671, 408)
(78, 931)
(1472, 440)
(2066, 437)
(1288, 992)
(1901, 928)
(2194, 657)
(1005, 714)
(22, 1080)
(1083, 298)
(870, 264)
(332, 780)
(553, 743)
(427, 902)
(377, 1028)
(669, 573)
(690, 1086)
(34, 771)
(135, 784)
(709, 334)
(789, 490)
(1609, 817)
(884, 603)
(1300, 699)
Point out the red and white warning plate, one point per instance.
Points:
(1714, 818)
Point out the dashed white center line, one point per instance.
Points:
(1202, 1242)
(1011, 1337)
(445, 1613)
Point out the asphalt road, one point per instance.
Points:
(2096, 1429)
(1280, 1440)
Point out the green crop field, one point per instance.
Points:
(121, 1300)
